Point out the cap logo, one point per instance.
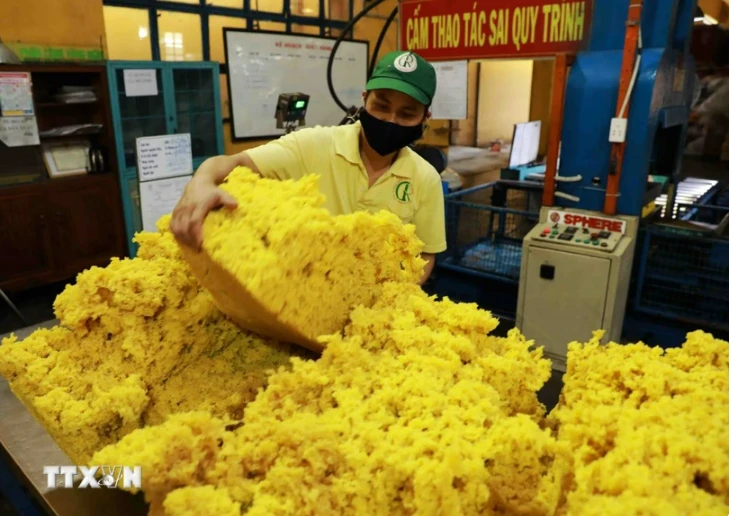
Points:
(406, 62)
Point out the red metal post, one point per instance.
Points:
(556, 115)
(617, 151)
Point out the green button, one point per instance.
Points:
(587, 241)
(595, 242)
(554, 232)
(579, 240)
(552, 236)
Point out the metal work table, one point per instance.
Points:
(25, 447)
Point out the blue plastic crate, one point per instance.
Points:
(682, 277)
(485, 229)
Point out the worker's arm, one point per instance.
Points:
(214, 170)
(430, 259)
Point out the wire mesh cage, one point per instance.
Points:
(684, 274)
(486, 226)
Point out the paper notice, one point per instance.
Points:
(19, 131)
(140, 83)
(164, 156)
(16, 94)
(158, 198)
(451, 97)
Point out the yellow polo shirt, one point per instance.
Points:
(411, 188)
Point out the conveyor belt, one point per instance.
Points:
(688, 191)
(26, 447)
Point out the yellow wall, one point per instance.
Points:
(60, 22)
(127, 33)
(504, 98)
(718, 9)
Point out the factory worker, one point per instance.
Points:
(364, 166)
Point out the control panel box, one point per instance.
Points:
(577, 237)
(575, 275)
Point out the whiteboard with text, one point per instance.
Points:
(262, 65)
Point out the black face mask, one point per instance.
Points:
(387, 137)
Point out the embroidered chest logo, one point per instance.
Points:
(403, 192)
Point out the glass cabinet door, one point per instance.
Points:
(139, 116)
(195, 108)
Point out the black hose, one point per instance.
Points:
(340, 38)
(381, 40)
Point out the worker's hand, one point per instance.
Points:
(199, 197)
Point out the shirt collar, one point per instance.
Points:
(346, 145)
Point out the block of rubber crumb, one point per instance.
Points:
(200, 501)
(529, 470)
(81, 425)
(282, 266)
(174, 454)
(649, 428)
(81, 408)
(121, 359)
(508, 363)
(398, 416)
(221, 382)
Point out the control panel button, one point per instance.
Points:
(587, 241)
(552, 236)
(604, 234)
(546, 231)
(603, 244)
(579, 240)
(595, 242)
(555, 232)
(594, 236)
(543, 235)
(585, 231)
(565, 236)
(570, 229)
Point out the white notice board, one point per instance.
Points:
(164, 156)
(263, 65)
(451, 96)
(140, 83)
(164, 167)
(525, 144)
(158, 198)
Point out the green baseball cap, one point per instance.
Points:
(406, 72)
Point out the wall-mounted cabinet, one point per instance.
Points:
(187, 100)
(55, 225)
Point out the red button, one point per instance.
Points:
(546, 231)
(594, 236)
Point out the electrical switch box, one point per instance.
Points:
(571, 284)
(618, 129)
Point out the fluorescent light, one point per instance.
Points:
(142, 32)
(706, 19)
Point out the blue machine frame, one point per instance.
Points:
(659, 105)
(659, 109)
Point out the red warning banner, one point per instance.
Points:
(474, 29)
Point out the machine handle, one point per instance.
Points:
(546, 271)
